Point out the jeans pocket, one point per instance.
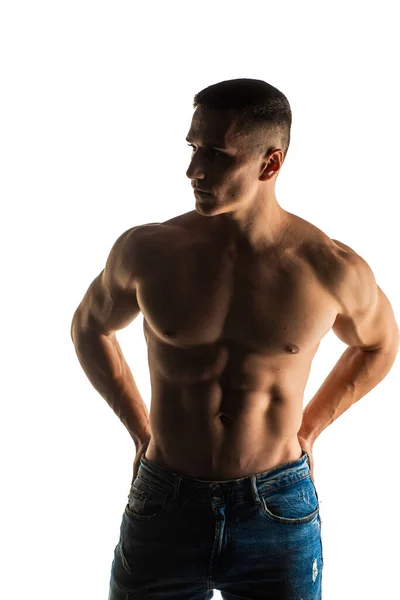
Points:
(296, 502)
(123, 558)
(146, 502)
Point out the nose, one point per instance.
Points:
(196, 168)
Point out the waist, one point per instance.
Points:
(170, 482)
(226, 458)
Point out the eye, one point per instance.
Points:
(215, 152)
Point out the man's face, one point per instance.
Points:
(222, 163)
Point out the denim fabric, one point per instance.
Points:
(253, 538)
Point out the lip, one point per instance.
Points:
(200, 191)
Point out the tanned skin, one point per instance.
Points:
(236, 297)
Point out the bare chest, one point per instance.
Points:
(194, 293)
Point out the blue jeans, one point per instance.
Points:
(253, 538)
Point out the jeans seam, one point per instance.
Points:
(281, 487)
(123, 559)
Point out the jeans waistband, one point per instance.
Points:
(168, 481)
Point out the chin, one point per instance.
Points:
(206, 211)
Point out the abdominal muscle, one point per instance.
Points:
(212, 436)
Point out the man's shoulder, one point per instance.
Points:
(150, 242)
(185, 220)
(178, 229)
(329, 258)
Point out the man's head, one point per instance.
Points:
(247, 124)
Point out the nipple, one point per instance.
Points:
(292, 348)
(169, 333)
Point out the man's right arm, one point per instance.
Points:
(110, 304)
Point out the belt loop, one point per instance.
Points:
(175, 492)
(254, 490)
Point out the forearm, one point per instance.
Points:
(103, 362)
(354, 375)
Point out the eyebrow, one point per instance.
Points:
(208, 144)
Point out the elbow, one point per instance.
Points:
(393, 343)
(74, 327)
(72, 332)
(389, 350)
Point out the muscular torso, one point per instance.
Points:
(231, 333)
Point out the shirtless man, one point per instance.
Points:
(236, 296)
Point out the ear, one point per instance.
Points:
(271, 164)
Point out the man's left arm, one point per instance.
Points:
(366, 323)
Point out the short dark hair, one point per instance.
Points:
(263, 109)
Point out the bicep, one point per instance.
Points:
(366, 318)
(110, 303)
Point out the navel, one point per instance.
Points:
(169, 333)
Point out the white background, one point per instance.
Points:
(96, 102)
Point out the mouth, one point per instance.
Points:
(197, 191)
